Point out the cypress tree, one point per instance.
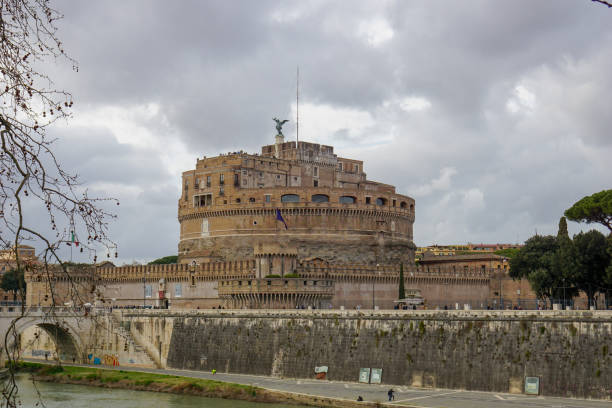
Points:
(402, 292)
(562, 233)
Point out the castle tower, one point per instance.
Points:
(229, 203)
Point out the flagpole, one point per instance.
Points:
(297, 110)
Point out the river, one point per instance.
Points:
(83, 396)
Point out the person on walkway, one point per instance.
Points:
(390, 394)
(359, 398)
(214, 371)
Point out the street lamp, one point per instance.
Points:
(373, 281)
(563, 280)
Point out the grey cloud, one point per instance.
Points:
(221, 70)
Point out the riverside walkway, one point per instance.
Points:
(404, 396)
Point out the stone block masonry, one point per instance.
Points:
(571, 352)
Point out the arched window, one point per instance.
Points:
(403, 204)
(290, 198)
(347, 200)
(251, 199)
(381, 201)
(411, 207)
(320, 198)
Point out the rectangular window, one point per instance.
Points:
(368, 200)
(178, 290)
(356, 168)
(221, 179)
(221, 190)
(148, 291)
(236, 180)
(202, 200)
(340, 166)
(315, 171)
(207, 181)
(268, 198)
(394, 202)
(316, 183)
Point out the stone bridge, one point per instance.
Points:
(72, 335)
(69, 329)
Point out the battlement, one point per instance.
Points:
(202, 271)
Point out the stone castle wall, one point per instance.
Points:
(571, 352)
(189, 286)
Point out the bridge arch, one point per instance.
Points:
(68, 343)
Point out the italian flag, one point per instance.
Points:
(72, 239)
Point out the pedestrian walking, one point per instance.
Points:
(390, 394)
(214, 371)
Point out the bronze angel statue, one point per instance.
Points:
(279, 125)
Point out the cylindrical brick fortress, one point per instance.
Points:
(231, 204)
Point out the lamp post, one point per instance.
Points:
(500, 293)
(563, 280)
(144, 290)
(373, 281)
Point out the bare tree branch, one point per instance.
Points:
(605, 3)
(31, 176)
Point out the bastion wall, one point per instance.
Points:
(570, 351)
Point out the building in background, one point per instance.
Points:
(467, 249)
(8, 262)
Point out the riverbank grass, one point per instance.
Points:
(143, 381)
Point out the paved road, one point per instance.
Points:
(404, 396)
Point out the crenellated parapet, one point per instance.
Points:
(391, 273)
(177, 272)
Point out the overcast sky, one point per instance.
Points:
(494, 116)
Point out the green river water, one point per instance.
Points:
(82, 396)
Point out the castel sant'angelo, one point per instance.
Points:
(232, 205)
(294, 226)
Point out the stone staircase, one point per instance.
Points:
(131, 346)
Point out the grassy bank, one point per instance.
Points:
(149, 382)
(143, 381)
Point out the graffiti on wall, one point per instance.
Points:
(106, 359)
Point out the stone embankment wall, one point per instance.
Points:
(478, 350)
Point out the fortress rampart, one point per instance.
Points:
(211, 284)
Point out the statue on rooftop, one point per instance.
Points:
(279, 125)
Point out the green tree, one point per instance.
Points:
(402, 291)
(594, 208)
(535, 262)
(564, 265)
(13, 281)
(562, 232)
(592, 260)
(507, 253)
(608, 277)
(171, 259)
